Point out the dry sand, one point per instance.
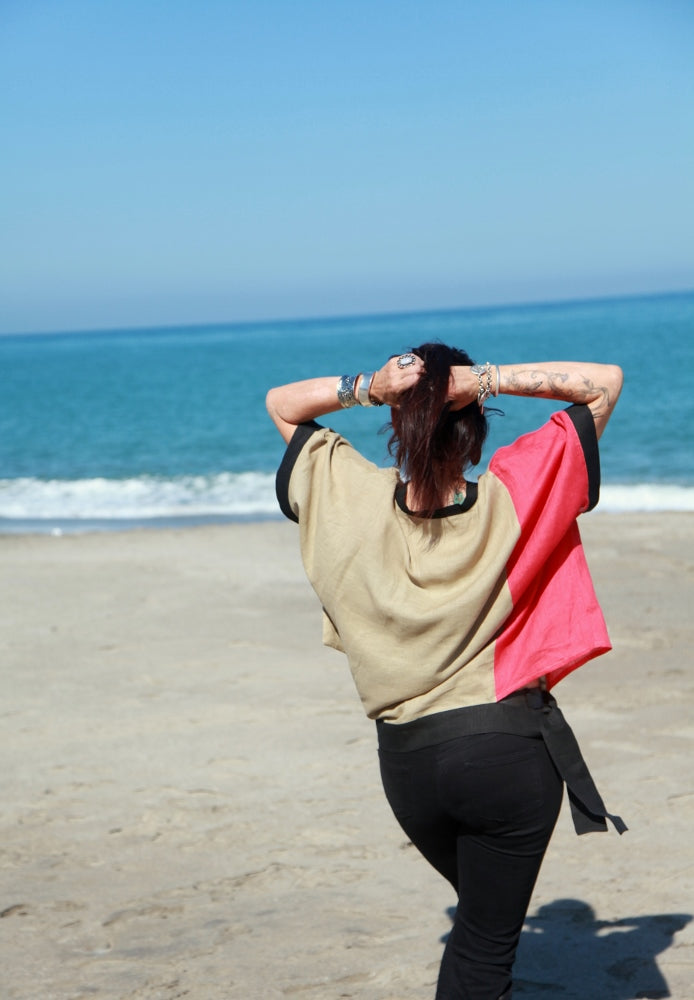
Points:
(191, 800)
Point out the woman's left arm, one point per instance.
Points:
(596, 385)
(297, 402)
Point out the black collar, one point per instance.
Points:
(450, 511)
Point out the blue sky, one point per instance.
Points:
(180, 161)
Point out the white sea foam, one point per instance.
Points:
(646, 497)
(224, 495)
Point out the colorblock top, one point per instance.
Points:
(467, 607)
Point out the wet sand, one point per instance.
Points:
(191, 799)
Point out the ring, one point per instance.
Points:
(405, 360)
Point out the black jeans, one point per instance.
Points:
(481, 809)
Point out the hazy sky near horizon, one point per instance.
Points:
(181, 161)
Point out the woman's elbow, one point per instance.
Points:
(271, 401)
(615, 381)
(272, 404)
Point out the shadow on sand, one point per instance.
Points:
(566, 952)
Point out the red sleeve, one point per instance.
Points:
(552, 475)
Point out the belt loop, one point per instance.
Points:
(534, 698)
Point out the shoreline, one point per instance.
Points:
(92, 526)
(58, 527)
(192, 800)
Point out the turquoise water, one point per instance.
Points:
(106, 428)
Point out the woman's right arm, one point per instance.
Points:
(596, 385)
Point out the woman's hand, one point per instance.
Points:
(292, 404)
(391, 380)
(463, 388)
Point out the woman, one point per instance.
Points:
(459, 606)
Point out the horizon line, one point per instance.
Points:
(338, 317)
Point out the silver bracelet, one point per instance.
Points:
(364, 389)
(484, 380)
(345, 391)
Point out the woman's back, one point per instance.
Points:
(420, 605)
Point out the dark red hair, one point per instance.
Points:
(432, 444)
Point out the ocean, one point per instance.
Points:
(110, 429)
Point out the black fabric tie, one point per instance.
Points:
(530, 712)
(587, 808)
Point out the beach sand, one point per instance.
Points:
(191, 798)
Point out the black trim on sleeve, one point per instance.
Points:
(297, 441)
(582, 419)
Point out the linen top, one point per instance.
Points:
(464, 608)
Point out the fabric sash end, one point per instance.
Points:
(588, 822)
(587, 807)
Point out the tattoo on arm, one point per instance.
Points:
(567, 386)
